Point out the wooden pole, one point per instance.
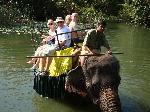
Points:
(72, 55)
(73, 31)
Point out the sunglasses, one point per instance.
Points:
(50, 24)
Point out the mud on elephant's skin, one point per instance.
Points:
(100, 81)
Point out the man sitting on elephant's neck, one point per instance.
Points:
(94, 40)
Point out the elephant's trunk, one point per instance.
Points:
(102, 81)
(109, 100)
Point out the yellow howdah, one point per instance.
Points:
(61, 65)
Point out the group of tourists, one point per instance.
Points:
(64, 36)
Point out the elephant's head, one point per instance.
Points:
(99, 79)
(102, 80)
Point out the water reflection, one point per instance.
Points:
(135, 84)
(74, 104)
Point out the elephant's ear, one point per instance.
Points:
(75, 80)
(76, 71)
(75, 76)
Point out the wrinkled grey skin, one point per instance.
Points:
(98, 79)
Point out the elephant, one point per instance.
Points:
(99, 80)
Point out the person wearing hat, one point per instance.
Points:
(64, 38)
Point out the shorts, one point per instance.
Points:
(49, 50)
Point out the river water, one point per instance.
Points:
(16, 78)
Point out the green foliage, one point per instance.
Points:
(66, 6)
(126, 12)
(90, 15)
(9, 15)
(134, 11)
(141, 11)
(137, 12)
(108, 7)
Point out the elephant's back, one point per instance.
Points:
(105, 68)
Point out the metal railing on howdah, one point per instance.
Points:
(47, 86)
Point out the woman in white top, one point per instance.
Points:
(46, 39)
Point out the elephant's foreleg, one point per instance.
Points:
(109, 100)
